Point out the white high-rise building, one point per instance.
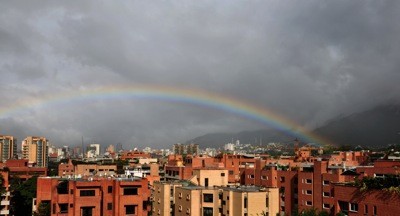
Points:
(95, 148)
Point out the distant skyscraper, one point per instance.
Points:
(110, 149)
(180, 149)
(7, 147)
(95, 148)
(35, 150)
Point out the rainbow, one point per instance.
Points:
(171, 94)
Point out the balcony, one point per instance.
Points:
(4, 212)
(6, 193)
(5, 203)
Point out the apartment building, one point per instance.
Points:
(22, 169)
(69, 169)
(235, 164)
(314, 184)
(163, 198)
(8, 147)
(34, 149)
(94, 196)
(216, 201)
(353, 202)
(5, 197)
(190, 149)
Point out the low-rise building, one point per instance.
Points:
(94, 196)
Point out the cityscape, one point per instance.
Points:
(200, 108)
(188, 180)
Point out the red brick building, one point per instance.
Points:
(23, 170)
(314, 185)
(131, 155)
(94, 196)
(351, 201)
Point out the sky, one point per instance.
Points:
(308, 61)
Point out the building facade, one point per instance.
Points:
(8, 147)
(93, 196)
(34, 149)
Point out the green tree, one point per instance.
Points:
(313, 212)
(22, 195)
(43, 209)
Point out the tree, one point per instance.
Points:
(43, 209)
(22, 195)
(312, 212)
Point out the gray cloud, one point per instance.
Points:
(308, 61)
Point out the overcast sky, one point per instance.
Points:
(306, 60)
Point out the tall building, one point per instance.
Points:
(7, 147)
(181, 149)
(35, 150)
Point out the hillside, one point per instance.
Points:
(375, 128)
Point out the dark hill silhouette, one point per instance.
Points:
(375, 128)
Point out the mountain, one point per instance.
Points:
(217, 140)
(374, 128)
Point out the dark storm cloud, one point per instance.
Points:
(307, 60)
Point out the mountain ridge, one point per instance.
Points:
(375, 127)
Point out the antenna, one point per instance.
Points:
(82, 150)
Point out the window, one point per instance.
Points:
(309, 203)
(87, 211)
(131, 191)
(354, 207)
(222, 174)
(263, 177)
(230, 172)
(326, 194)
(206, 182)
(84, 193)
(71, 191)
(208, 198)
(180, 195)
(245, 202)
(207, 211)
(282, 179)
(109, 189)
(325, 182)
(109, 206)
(366, 209)
(188, 197)
(326, 206)
(251, 176)
(71, 205)
(63, 208)
(180, 208)
(130, 209)
(343, 206)
(62, 187)
(375, 210)
(309, 192)
(309, 181)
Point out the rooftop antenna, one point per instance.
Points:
(83, 154)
